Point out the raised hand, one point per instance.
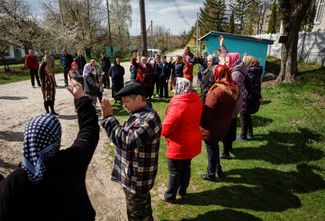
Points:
(76, 89)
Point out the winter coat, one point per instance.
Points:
(144, 76)
(117, 74)
(181, 126)
(179, 69)
(105, 64)
(217, 112)
(238, 74)
(48, 86)
(81, 61)
(62, 194)
(90, 81)
(252, 95)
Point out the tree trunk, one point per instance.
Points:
(292, 13)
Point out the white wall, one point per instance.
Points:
(311, 46)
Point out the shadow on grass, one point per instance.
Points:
(13, 98)
(226, 215)
(258, 121)
(11, 136)
(260, 189)
(283, 148)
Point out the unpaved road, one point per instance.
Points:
(19, 103)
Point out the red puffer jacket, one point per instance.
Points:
(181, 127)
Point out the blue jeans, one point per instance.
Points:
(213, 159)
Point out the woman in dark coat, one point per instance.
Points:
(117, 75)
(216, 118)
(48, 88)
(251, 98)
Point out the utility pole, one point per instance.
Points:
(109, 28)
(151, 40)
(144, 46)
(197, 33)
(61, 13)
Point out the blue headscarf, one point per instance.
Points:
(42, 140)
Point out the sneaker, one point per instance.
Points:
(208, 178)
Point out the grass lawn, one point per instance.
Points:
(19, 73)
(277, 176)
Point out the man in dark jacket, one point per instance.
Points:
(66, 61)
(105, 64)
(31, 63)
(137, 148)
(81, 61)
(50, 183)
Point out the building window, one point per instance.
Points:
(319, 11)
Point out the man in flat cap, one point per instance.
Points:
(137, 143)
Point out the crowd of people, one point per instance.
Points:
(53, 180)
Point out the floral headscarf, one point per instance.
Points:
(183, 86)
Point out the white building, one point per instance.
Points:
(319, 21)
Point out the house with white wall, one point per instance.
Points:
(319, 21)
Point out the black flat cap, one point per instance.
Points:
(132, 88)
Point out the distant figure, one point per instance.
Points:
(133, 69)
(117, 74)
(156, 73)
(144, 77)
(81, 61)
(31, 63)
(164, 77)
(188, 54)
(181, 128)
(66, 61)
(105, 65)
(48, 88)
(50, 183)
(91, 84)
(251, 97)
(50, 61)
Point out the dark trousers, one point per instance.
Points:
(47, 105)
(33, 74)
(106, 80)
(231, 137)
(163, 87)
(138, 206)
(65, 74)
(213, 159)
(179, 172)
(156, 81)
(246, 125)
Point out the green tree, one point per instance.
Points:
(271, 27)
(231, 24)
(212, 16)
(240, 9)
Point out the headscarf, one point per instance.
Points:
(42, 140)
(183, 86)
(232, 59)
(87, 69)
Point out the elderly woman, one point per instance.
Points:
(91, 84)
(251, 99)
(216, 117)
(181, 128)
(48, 88)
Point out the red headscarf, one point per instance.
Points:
(222, 78)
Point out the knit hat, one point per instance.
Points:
(42, 140)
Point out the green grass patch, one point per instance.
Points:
(279, 175)
(18, 73)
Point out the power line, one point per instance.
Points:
(176, 5)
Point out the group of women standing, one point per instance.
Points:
(230, 86)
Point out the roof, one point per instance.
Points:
(217, 34)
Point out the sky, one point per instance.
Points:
(161, 12)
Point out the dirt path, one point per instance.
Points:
(19, 102)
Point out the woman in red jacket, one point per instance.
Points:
(181, 128)
(217, 113)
